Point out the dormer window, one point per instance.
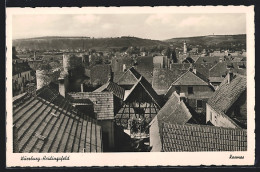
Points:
(242, 66)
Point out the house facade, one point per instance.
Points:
(22, 74)
(228, 105)
(194, 87)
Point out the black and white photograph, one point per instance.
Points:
(137, 81)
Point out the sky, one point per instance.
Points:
(158, 26)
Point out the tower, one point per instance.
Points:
(184, 48)
(42, 78)
(66, 62)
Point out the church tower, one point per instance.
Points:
(184, 48)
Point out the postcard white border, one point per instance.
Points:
(137, 159)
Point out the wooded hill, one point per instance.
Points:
(50, 43)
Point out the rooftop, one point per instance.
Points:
(103, 102)
(163, 78)
(227, 93)
(100, 74)
(112, 87)
(49, 123)
(148, 88)
(174, 111)
(20, 67)
(194, 138)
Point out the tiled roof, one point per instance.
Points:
(194, 138)
(20, 67)
(221, 68)
(148, 88)
(163, 78)
(49, 123)
(174, 111)
(130, 77)
(190, 78)
(112, 87)
(202, 68)
(100, 74)
(209, 59)
(227, 93)
(103, 102)
(144, 66)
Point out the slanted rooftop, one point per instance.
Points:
(174, 111)
(112, 87)
(223, 98)
(194, 138)
(148, 88)
(21, 67)
(103, 103)
(48, 122)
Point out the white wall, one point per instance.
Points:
(218, 120)
(155, 140)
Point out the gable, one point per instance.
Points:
(127, 79)
(189, 78)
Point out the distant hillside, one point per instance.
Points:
(49, 43)
(211, 41)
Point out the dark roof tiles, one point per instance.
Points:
(103, 102)
(49, 123)
(174, 111)
(100, 74)
(163, 78)
(228, 93)
(112, 87)
(194, 138)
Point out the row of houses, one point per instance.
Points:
(172, 106)
(88, 121)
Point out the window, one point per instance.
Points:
(210, 116)
(199, 103)
(190, 90)
(178, 89)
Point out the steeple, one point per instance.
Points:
(184, 48)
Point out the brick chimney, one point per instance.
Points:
(41, 79)
(230, 76)
(63, 83)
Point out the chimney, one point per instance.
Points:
(41, 79)
(34, 55)
(63, 82)
(124, 67)
(184, 48)
(81, 88)
(66, 62)
(230, 76)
